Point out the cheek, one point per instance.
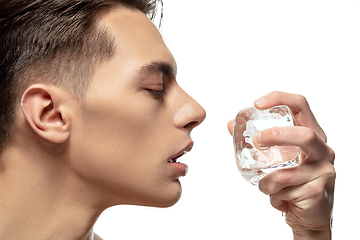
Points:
(125, 154)
(115, 143)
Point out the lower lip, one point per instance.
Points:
(180, 168)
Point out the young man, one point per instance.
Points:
(92, 117)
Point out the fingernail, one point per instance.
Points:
(257, 142)
(261, 101)
(257, 139)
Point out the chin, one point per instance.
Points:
(164, 199)
(168, 202)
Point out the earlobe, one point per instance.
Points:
(44, 113)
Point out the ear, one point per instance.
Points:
(45, 112)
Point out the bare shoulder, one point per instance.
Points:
(96, 237)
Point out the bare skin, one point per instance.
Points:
(71, 160)
(304, 193)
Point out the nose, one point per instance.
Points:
(190, 114)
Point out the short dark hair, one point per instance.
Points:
(55, 41)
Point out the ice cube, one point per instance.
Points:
(253, 162)
(261, 120)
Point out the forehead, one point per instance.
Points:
(136, 37)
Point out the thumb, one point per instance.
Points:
(231, 126)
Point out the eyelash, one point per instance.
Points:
(158, 94)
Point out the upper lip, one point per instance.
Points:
(182, 152)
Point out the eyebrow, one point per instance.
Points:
(154, 67)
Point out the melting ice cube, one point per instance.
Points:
(264, 119)
(253, 162)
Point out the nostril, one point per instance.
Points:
(192, 124)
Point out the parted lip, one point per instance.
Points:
(182, 152)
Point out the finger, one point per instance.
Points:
(299, 106)
(296, 176)
(305, 196)
(296, 102)
(296, 193)
(311, 145)
(287, 177)
(280, 201)
(231, 126)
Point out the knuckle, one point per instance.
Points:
(325, 170)
(309, 136)
(324, 137)
(330, 173)
(331, 156)
(301, 100)
(322, 190)
(326, 180)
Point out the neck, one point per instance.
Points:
(41, 200)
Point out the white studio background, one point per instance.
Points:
(229, 53)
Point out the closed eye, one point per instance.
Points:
(158, 94)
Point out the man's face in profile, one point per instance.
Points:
(135, 118)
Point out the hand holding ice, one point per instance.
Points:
(252, 162)
(263, 120)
